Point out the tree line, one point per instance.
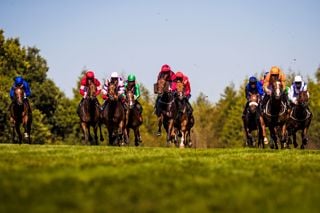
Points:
(55, 120)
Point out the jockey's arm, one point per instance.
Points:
(137, 91)
(27, 89)
(12, 92)
(291, 94)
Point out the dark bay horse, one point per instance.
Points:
(182, 121)
(90, 115)
(113, 116)
(20, 113)
(299, 119)
(275, 115)
(252, 121)
(167, 108)
(132, 116)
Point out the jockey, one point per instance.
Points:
(20, 82)
(169, 76)
(180, 77)
(131, 83)
(275, 74)
(297, 86)
(89, 75)
(116, 79)
(253, 87)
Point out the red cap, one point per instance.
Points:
(165, 68)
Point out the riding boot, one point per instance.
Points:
(79, 106)
(156, 110)
(264, 102)
(139, 108)
(245, 110)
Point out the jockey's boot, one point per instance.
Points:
(78, 109)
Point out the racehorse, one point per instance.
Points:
(167, 110)
(182, 121)
(275, 115)
(90, 115)
(113, 116)
(252, 121)
(20, 113)
(299, 119)
(132, 116)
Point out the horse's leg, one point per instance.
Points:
(85, 133)
(260, 138)
(294, 138)
(263, 126)
(304, 136)
(95, 131)
(274, 137)
(182, 141)
(160, 120)
(101, 135)
(17, 127)
(284, 137)
(136, 136)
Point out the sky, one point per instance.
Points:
(215, 43)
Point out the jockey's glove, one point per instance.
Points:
(268, 91)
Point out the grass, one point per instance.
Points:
(49, 178)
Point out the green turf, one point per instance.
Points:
(128, 179)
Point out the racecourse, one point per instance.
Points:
(63, 178)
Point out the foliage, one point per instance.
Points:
(216, 124)
(109, 179)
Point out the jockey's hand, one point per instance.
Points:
(104, 97)
(268, 92)
(134, 97)
(85, 94)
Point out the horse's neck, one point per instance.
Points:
(299, 111)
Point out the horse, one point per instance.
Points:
(20, 113)
(252, 121)
(299, 119)
(167, 110)
(275, 115)
(113, 116)
(132, 116)
(89, 114)
(182, 121)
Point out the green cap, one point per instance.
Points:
(131, 77)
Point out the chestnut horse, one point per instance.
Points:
(20, 113)
(182, 122)
(299, 119)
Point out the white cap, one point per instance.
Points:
(114, 75)
(298, 78)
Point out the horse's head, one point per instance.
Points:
(19, 95)
(277, 90)
(112, 91)
(180, 90)
(91, 89)
(162, 86)
(130, 97)
(253, 102)
(303, 98)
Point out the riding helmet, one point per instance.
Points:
(90, 74)
(253, 80)
(165, 68)
(18, 80)
(131, 77)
